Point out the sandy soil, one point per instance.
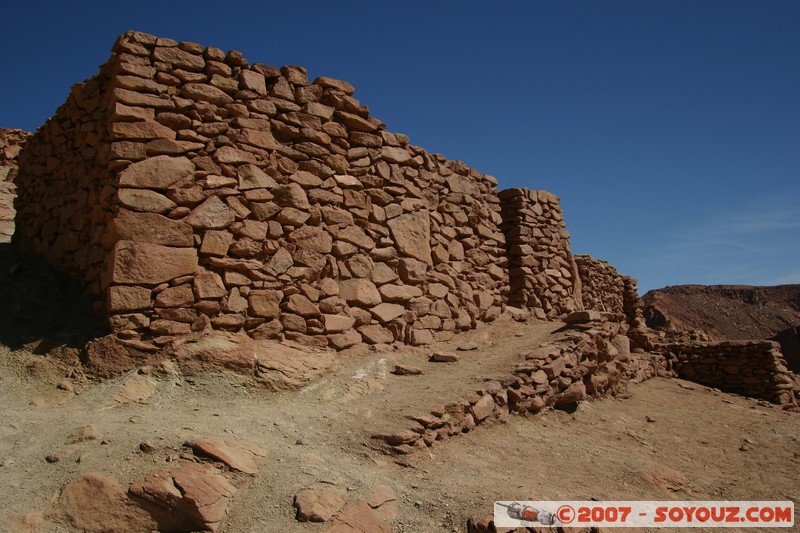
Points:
(725, 447)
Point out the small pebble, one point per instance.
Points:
(650, 419)
(301, 441)
(52, 458)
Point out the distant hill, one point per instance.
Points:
(727, 312)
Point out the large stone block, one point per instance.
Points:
(138, 263)
(160, 172)
(412, 235)
(150, 228)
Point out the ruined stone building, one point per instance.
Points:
(185, 187)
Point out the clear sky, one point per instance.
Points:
(669, 129)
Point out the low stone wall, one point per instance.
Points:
(592, 359)
(187, 188)
(751, 368)
(11, 141)
(542, 273)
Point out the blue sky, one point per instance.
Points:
(670, 130)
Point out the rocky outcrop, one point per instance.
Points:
(724, 312)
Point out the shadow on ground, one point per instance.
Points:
(42, 309)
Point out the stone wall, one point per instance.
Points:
(186, 188)
(65, 192)
(542, 273)
(605, 289)
(11, 141)
(750, 368)
(602, 286)
(591, 359)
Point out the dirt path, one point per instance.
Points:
(721, 446)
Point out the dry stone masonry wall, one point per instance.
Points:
(543, 275)
(602, 286)
(592, 358)
(187, 188)
(605, 289)
(11, 141)
(751, 368)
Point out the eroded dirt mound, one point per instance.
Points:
(724, 311)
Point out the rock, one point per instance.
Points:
(344, 340)
(337, 323)
(312, 239)
(236, 454)
(196, 496)
(301, 305)
(141, 263)
(356, 236)
(443, 357)
(215, 350)
(574, 393)
(208, 285)
(145, 201)
(404, 370)
(159, 172)
(124, 298)
(376, 334)
(144, 130)
(205, 93)
(150, 228)
(318, 505)
(291, 195)
(83, 434)
(282, 367)
(663, 477)
(399, 293)
(386, 312)
(421, 337)
(52, 458)
(211, 214)
(97, 504)
(252, 177)
(264, 303)
(231, 156)
(216, 243)
(483, 408)
(411, 233)
(399, 437)
(358, 518)
(359, 291)
(380, 495)
(581, 317)
(65, 385)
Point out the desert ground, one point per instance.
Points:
(662, 439)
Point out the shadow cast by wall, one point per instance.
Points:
(40, 307)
